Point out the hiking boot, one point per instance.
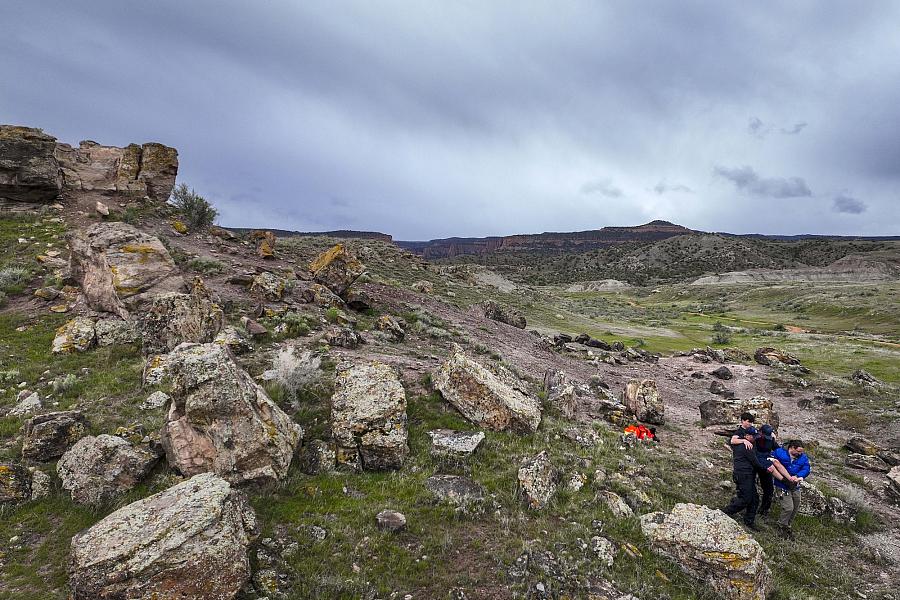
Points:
(752, 527)
(786, 532)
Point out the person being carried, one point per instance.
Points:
(642, 432)
(746, 466)
(794, 459)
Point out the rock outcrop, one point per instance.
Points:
(368, 417)
(48, 436)
(97, 469)
(538, 480)
(641, 398)
(593, 399)
(774, 357)
(174, 318)
(496, 312)
(29, 171)
(35, 169)
(336, 269)
(483, 397)
(455, 444)
(456, 490)
(189, 541)
(119, 267)
(893, 485)
(77, 335)
(220, 420)
(711, 547)
(727, 411)
(15, 483)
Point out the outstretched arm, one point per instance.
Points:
(735, 440)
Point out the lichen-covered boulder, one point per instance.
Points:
(119, 267)
(48, 436)
(97, 469)
(175, 318)
(392, 327)
(337, 268)
(455, 444)
(189, 541)
(641, 398)
(423, 287)
(222, 421)
(268, 285)
(77, 335)
(455, 489)
(343, 337)
(29, 172)
(615, 503)
(114, 331)
(233, 339)
(538, 480)
(485, 398)
(727, 411)
(265, 243)
(317, 457)
(15, 483)
(773, 357)
(496, 312)
(867, 462)
(321, 296)
(368, 417)
(711, 547)
(571, 398)
(863, 445)
(28, 403)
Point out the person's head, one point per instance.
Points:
(747, 420)
(766, 430)
(795, 448)
(750, 433)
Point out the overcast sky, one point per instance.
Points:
(426, 119)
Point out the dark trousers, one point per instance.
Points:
(768, 490)
(746, 498)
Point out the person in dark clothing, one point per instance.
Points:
(746, 467)
(764, 444)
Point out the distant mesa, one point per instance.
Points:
(578, 241)
(340, 233)
(36, 169)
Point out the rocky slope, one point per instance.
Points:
(224, 416)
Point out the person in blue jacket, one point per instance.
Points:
(794, 459)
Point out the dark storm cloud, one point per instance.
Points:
(848, 205)
(436, 119)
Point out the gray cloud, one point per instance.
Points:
(848, 205)
(795, 130)
(430, 120)
(604, 187)
(663, 187)
(745, 178)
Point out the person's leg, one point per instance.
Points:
(749, 498)
(780, 468)
(795, 501)
(768, 489)
(786, 501)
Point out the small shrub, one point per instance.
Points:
(779, 327)
(11, 376)
(196, 209)
(297, 325)
(332, 315)
(65, 383)
(718, 326)
(205, 266)
(296, 374)
(12, 279)
(721, 338)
